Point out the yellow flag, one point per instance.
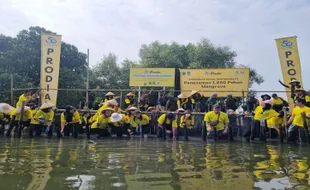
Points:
(290, 63)
(50, 61)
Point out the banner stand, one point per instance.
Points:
(139, 96)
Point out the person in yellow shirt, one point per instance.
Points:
(278, 103)
(257, 116)
(302, 94)
(103, 124)
(86, 122)
(25, 121)
(117, 109)
(41, 120)
(196, 97)
(296, 122)
(130, 114)
(33, 110)
(273, 118)
(108, 96)
(184, 102)
(118, 124)
(109, 104)
(70, 122)
(187, 123)
(216, 123)
(140, 123)
(129, 101)
(165, 124)
(26, 97)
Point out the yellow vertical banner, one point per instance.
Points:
(290, 63)
(50, 61)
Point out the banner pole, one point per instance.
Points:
(139, 96)
(12, 90)
(87, 79)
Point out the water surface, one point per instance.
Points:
(150, 164)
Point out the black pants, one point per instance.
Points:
(294, 131)
(105, 132)
(2, 126)
(190, 131)
(15, 124)
(119, 131)
(146, 129)
(220, 134)
(161, 132)
(87, 130)
(73, 129)
(37, 128)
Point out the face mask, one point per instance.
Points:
(187, 115)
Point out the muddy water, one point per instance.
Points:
(150, 164)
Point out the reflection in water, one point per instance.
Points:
(150, 164)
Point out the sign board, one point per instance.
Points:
(151, 77)
(221, 81)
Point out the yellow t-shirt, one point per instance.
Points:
(127, 101)
(298, 121)
(271, 116)
(27, 116)
(189, 122)
(86, 120)
(193, 101)
(102, 122)
(161, 121)
(98, 113)
(128, 118)
(12, 113)
(76, 118)
(144, 121)
(21, 99)
(181, 103)
(212, 116)
(48, 117)
(120, 123)
(258, 113)
(307, 98)
(278, 101)
(118, 110)
(33, 113)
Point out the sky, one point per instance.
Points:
(249, 27)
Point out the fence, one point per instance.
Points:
(78, 97)
(239, 124)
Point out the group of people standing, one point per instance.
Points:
(172, 117)
(274, 113)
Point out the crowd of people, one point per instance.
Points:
(169, 117)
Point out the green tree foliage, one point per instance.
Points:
(202, 55)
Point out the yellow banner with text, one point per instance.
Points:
(160, 77)
(220, 81)
(290, 63)
(50, 61)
